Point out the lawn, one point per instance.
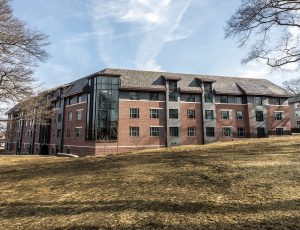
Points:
(251, 184)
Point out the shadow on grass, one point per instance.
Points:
(274, 224)
(23, 209)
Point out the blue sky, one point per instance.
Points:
(184, 36)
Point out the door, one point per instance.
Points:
(44, 150)
(261, 132)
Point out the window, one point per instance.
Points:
(278, 116)
(208, 93)
(134, 112)
(68, 133)
(276, 101)
(191, 98)
(77, 132)
(134, 96)
(79, 114)
(279, 131)
(239, 100)
(297, 113)
(240, 115)
(225, 115)
(210, 131)
(226, 131)
(154, 96)
(70, 116)
(58, 133)
(297, 105)
(79, 99)
(134, 131)
(209, 114)
(298, 124)
(154, 131)
(191, 114)
(173, 113)
(173, 85)
(224, 99)
(154, 113)
(59, 117)
(191, 131)
(241, 132)
(173, 94)
(174, 131)
(257, 101)
(68, 101)
(259, 116)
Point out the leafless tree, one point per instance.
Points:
(21, 49)
(274, 28)
(293, 86)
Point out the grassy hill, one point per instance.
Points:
(251, 184)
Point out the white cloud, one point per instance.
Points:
(153, 22)
(259, 69)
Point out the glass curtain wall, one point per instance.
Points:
(103, 111)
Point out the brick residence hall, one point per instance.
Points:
(116, 110)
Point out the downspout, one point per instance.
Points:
(21, 136)
(62, 124)
(202, 118)
(33, 138)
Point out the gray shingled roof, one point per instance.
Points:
(229, 85)
(189, 82)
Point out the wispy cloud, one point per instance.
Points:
(150, 24)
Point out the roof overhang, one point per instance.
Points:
(103, 74)
(142, 89)
(205, 80)
(171, 78)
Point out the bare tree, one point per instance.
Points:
(293, 86)
(274, 26)
(21, 49)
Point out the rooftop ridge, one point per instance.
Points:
(176, 73)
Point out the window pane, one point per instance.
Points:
(191, 98)
(209, 114)
(224, 99)
(240, 115)
(257, 101)
(134, 96)
(154, 131)
(173, 113)
(226, 132)
(191, 114)
(191, 131)
(210, 131)
(134, 113)
(134, 131)
(259, 116)
(225, 115)
(154, 96)
(154, 113)
(174, 131)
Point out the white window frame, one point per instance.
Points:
(192, 131)
(134, 131)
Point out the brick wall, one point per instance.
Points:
(233, 122)
(187, 122)
(143, 122)
(284, 123)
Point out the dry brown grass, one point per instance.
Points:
(251, 184)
